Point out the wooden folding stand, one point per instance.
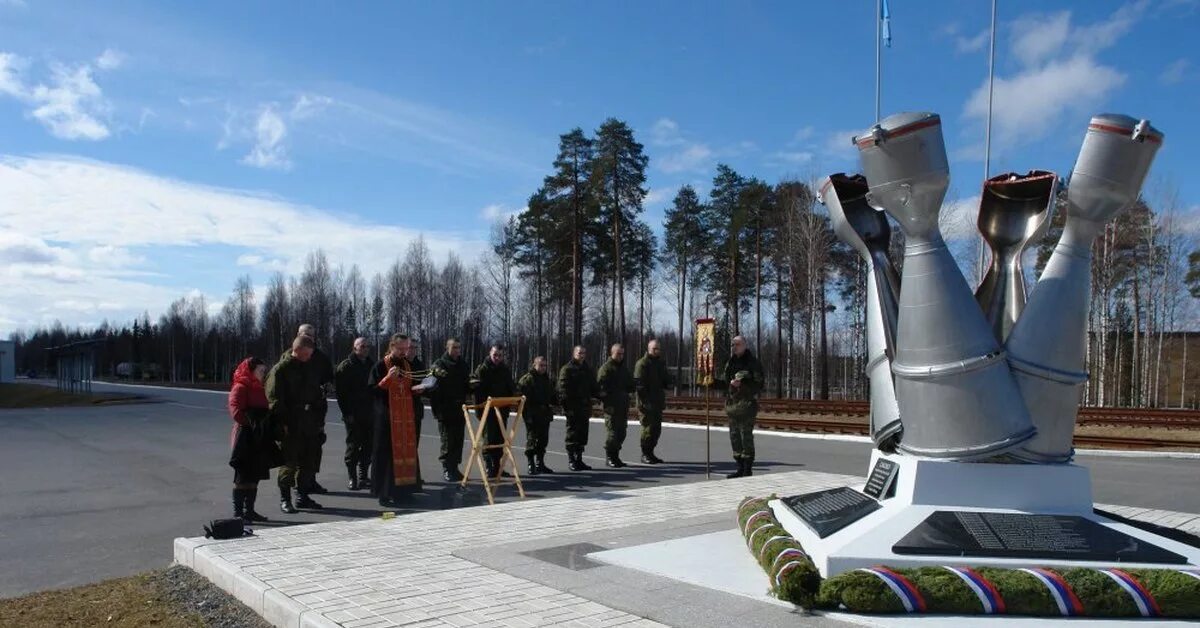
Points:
(493, 409)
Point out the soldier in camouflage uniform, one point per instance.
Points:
(447, 399)
(616, 383)
(493, 378)
(744, 377)
(538, 389)
(651, 379)
(576, 388)
(357, 404)
(292, 394)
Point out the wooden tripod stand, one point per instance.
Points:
(493, 410)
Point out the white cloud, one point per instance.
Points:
(683, 155)
(110, 59)
(794, 157)
(269, 151)
(71, 228)
(973, 44)
(499, 211)
(804, 134)
(658, 196)
(1059, 75)
(1175, 72)
(70, 105)
(665, 132)
(309, 105)
(839, 145)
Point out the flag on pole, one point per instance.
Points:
(885, 16)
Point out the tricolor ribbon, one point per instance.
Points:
(750, 539)
(989, 596)
(1190, 572)
(1139, 594)
(792, 552)
(762, 550)
(788, 566)
(754, 517)
(909, 596)
(1068, 603)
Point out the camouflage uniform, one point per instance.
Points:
(446, 401)
(616, 383)
(576, 388)
(294, 396)
(539, 397)
(357, 405)
(742, 404)
(652, 379)
(493, 380)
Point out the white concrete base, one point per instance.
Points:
(925, 486)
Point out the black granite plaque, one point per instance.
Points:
(881, 479)
(1017, 535)
(826, 512)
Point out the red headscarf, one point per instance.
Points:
(247, 392)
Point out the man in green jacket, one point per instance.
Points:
(357, 404)
(616, 383)
(493, 378)
(744, 378)
(447, 399)
(293, 394)
(652, 379)
(576, 388)
(538, 389)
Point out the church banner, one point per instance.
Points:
(705, 351)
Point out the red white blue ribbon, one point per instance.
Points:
(1068, 604)
(762, 551)
(1190, 572)
(788, 566)
(754, 517)
(1139, 594)
(989, 596)
(791, 552)
(750, 539)
(909, 596)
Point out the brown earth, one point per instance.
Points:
(38, 396)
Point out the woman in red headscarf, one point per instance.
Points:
(252, 442)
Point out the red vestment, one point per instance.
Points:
(403, 421)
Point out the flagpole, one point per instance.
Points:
(987, 133)
(878, 52)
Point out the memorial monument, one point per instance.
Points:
(974, 395)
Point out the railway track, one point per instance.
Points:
(797, 408)
(860, 428)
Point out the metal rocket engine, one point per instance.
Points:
(954, 389)
(1014, 210)
(1046, 348)
(867, 230)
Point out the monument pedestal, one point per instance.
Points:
(1001, 515)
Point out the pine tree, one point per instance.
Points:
(569, 189)
(684, 240)
(618, 176)
(725, 222)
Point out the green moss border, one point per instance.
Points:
(794, 578)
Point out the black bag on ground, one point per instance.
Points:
(225, 529)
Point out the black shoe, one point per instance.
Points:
(532, 469)
(239, 504)
(583, 466)
(747, 467)
(650, 458)
(353, 484)
(307, 503)
(541, 465)
(286, 506)
(318, 489)
(614, 462)
(386, 502)
(364, 476)
(250, 496)
(740, 470)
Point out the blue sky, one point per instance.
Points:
(150, 149)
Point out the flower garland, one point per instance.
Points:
(1113, 592)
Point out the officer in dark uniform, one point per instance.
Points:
(322, 373)
(744, 377)
(616, 382)
(356, 403)
(652, 379)
(576, 388)
(292, 395)
(538, 389)
(453, 382)
(493, 378)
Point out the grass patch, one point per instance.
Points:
(176, 597)
(38, 396)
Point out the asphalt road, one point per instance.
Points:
(93, 493)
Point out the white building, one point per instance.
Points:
(8, 369)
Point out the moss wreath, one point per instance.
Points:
(1170, 593)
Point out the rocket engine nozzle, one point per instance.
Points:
(868, 232)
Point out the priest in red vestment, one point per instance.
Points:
(395, 465)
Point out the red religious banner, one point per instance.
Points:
(705, 346)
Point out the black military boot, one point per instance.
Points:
(364, 477)
(650, 458)
(285, 501)
(613, 461)
(532, 469)
(249, 497)
(583, 466)
(739, 473)
(541, 464)
(239, 504)
(352, 470)
(317, 488)
(747, 467)
(573, 461)
(306, 502)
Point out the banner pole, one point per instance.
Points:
(707, 433)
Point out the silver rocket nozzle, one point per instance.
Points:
(904, 160)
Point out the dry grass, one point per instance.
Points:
(38, 396)
(134, 601)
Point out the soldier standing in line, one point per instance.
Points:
(616, 383)
(292, 397)
(539, 397)
(576, 388)
(493, 378)
(652, 379)
(744, 376)
(357, 404)
(449, 395)
(322, 371)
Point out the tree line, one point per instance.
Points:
(580, 265)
